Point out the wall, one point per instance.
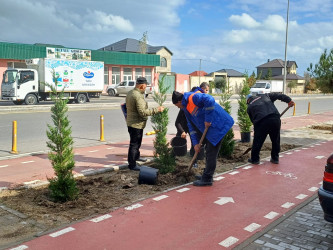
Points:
(195, 81)
(182, 83)
(235, 84)
(164, 53)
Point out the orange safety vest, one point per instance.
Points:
(191, 107)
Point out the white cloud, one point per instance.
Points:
(275, 23)
(244, 20)
(326, 41)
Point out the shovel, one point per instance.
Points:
(196, 153)
(249, 149)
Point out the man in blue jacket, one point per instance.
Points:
(202, 111)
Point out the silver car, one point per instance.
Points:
(124, 87)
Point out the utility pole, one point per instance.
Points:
(285, 54)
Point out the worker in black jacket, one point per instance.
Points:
(266, 121)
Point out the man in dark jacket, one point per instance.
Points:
(266, 121)
(202, 111)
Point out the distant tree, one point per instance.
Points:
(259, 75)
(143, 43)
(221, 84)
(323, 72)
(310, 83)
(252, 79)
(244, 121)
(292, 84)
(269, 74)
(211, 86)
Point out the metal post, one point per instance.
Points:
(14, 138)
(199, 72)
(309, 108)
(102, 128)
(285, 55)
(294, 109)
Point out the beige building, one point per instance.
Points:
(130, 45)
(234, 79)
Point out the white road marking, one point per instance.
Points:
(133, 206)
(110, 148)
(61, 232)
(289, 153)
(24, 162)
(160, 197)
(31, 182)
(313, 189)
(252, 227)
(218, 178)
(3, 166)
(247, 167)
(297, 150)
(317, 144)
(288, 205)
(234, 172)
(93, 151)
(228, 241)
(320, 157)
(101, 218)
(320, 183)
(305, 148)
(182, 190)
(87, 170)
(22, 247)
(301, 196)
(107, 166)
(224, 200)
(271, 215)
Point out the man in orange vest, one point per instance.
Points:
(202, 111)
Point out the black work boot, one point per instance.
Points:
(253, 162)
(201, 183)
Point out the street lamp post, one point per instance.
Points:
(285, 54)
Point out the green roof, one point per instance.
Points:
(20, 51)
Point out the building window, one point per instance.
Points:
(106, 75)
(138, 73)
(16, 65)
(148, 75)
(127, 74)
(163, 62)
(115, 75)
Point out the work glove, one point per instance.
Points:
(290, 104)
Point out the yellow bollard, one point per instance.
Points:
(294, 113)
(102, 128)
(309, 105)
(14, 138)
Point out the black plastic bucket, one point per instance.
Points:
(245, 136)
(179, 146)
(148, 175)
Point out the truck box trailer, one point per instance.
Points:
(79, 80)
(267, 86)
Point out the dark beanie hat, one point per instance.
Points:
(141, 80)
(176, 97)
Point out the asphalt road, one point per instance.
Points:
(85, 121)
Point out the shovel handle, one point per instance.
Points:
(196, 153)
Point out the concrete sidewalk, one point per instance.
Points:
(189, 217)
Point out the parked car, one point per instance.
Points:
(325, 192)
(124, 87)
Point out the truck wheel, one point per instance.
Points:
(81, 98)
(18, 102)
(30, 99)
(111, 92)
(146, 95)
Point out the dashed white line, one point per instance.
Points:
(252, 227)
(24, 162)
(228, 241)
(271, 215)
(313, 189)
(22, 247)
(110, 148)
(234, 172)
(135, 206)
(182, 190)
(288, 205)
(61, 232)
(289, 153)
(160, 197)
(218, 178)
(87, 170)
(247, 167)
(320, 157)
(301, 196)
(110, 165)
(305, 148)
(3, 166)
(101, 218)
(297, 150)
(93, 151)
(31, 182)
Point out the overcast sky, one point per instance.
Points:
(224, 34)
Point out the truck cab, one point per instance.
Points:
(20, 86)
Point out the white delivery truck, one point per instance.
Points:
(267, 86)
(78, 79)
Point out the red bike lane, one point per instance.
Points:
(241, 203)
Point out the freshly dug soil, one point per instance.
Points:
(99, 194)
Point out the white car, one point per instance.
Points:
(124, 87)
